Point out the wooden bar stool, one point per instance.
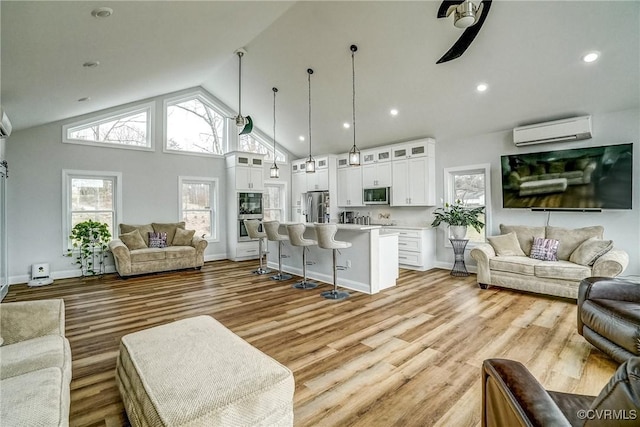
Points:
(296, 237)
(253, 230)
(271, 228)
(325, 234)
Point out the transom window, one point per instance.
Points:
(198, 205)
(250, 143)
(470, 184)
(128, 128)
(91, 195)
(194, 125)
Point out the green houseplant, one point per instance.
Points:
(458, 215)
(90, 241)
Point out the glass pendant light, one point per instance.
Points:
(274, 172)
(354, 153)
(311, 162)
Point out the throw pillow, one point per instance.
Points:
(544, 249)
(133, 240)
(570, 239)
(143, 229)
(157, 240)
(169, 228)
(524, 233)
(506, 245)
(183, 237)
(590, 250)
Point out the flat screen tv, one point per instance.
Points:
(590, 178)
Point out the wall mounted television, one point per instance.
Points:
(587, 179)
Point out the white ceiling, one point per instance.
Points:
(528, 52)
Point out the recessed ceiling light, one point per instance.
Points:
(346, 125)
(590, 57)
(393, 112)
(86, 98)
(482, 87)
(301, 138)
(102, 12)
(91, 64)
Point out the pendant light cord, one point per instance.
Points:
(309, 71)
(240, 83)
(353, 76)
(274, 124)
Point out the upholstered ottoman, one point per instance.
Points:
(196, 372)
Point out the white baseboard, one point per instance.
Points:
(60, 274)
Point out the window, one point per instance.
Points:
(129, 128)
(198, 205)
(471, 185)
(91, 195)
(194, 125)
(250, 143)
(274, 202)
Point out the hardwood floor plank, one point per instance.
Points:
(408, 356)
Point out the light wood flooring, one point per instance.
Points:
(408, 356)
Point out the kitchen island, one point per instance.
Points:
(371, 263)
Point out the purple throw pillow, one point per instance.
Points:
(544, 249)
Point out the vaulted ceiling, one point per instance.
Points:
(528, 53)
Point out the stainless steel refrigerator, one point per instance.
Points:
(316, 206)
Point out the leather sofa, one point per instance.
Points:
(511, 396)
(559, 278)
(35, 364)
(609, 316)
(134, 253)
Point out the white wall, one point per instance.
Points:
(622, 226)
(37, 157)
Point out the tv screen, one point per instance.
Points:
(589, 178)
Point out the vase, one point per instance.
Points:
(458, 231)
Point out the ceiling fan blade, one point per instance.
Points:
(447, 7)
(247, 127)
(467, 37)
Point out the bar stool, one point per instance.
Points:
(296, 238)
(253, 227)
(325, 234)
(271, 228)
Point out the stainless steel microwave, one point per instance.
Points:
(376, 196)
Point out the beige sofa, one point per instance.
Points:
(133, 255)
(35, 364)
(515, 269)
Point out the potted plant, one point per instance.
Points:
(90, 241)
(458, 217)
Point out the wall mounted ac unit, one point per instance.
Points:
(5, 124)
(571, 129)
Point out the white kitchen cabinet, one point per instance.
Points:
(376, 175)
(413, 174)
(319, 180)
(413, 182)
(416, 248)
(378, 155)
(298, 187)
(249, 171)
(350, 186)
(420, 148)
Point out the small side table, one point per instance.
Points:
(459, 268)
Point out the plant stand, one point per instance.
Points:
(459, 268)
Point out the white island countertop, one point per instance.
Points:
(371, 263)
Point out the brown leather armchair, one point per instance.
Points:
(511, 396)
(609, 315)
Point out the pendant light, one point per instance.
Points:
(354, 153)
(310, 166)
(244, 124)
(274, 172)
